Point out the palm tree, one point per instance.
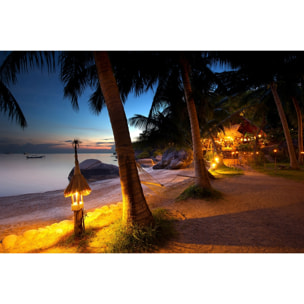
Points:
(94, 69)
(201, 174)
(135, 208)
(180, 70)
(258, 69)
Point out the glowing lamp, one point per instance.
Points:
(260, 135)
(77, 188)
(302, 152)
(257, 153)
(275, 151)
(216, 159)
(213, 165)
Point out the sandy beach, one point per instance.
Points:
(258, 213)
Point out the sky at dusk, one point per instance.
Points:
(53, 123)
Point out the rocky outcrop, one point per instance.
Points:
(175, 159)
(94, 170)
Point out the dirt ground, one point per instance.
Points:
(257, 213)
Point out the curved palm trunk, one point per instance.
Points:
(201, 173)
(300, 129)
(135, 208)
(292, 155)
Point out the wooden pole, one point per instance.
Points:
(78, 222)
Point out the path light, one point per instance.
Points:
(77, 188)
(275, 158)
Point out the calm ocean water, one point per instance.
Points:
(19, 175)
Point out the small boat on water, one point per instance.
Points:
(35, 156)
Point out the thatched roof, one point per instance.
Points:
(78, 183)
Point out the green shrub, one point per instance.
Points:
(197, 192)
(136, 239)
(144, 154)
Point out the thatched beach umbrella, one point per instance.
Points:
(77, 188)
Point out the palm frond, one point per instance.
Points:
(9, 105)
(77, 72)
(21, 61)
(97, 101)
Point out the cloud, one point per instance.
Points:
(105, 143)
(112, 138)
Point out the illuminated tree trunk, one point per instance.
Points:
(201, 173)
(135, 208)
(300, 129)
(292, 155)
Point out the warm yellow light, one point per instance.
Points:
(77, 201)
(302, 152)
(256, 152)
(213, 165)
(275, 150)
(260, 135)
(217, 160)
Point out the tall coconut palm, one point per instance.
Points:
(181, 70)
(201, 174)
(95, 69)
(135, 208)
(256, 69)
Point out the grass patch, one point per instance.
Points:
(225, 171)
(281, 170)
(137, 239)
(79, 243)
(196, 192)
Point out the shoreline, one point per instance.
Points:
(22, 212)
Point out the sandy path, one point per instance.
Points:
(258, 213)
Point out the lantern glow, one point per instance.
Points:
(77, 188)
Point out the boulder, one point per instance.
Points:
(95, 170)
(175, 159)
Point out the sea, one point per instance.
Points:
(22, 175)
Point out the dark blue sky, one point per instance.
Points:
(52, 122)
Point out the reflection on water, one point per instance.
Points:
(19, 175)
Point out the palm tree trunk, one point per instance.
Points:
(292, 155)
(135, 208)
(201, 174)
(300, 129)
